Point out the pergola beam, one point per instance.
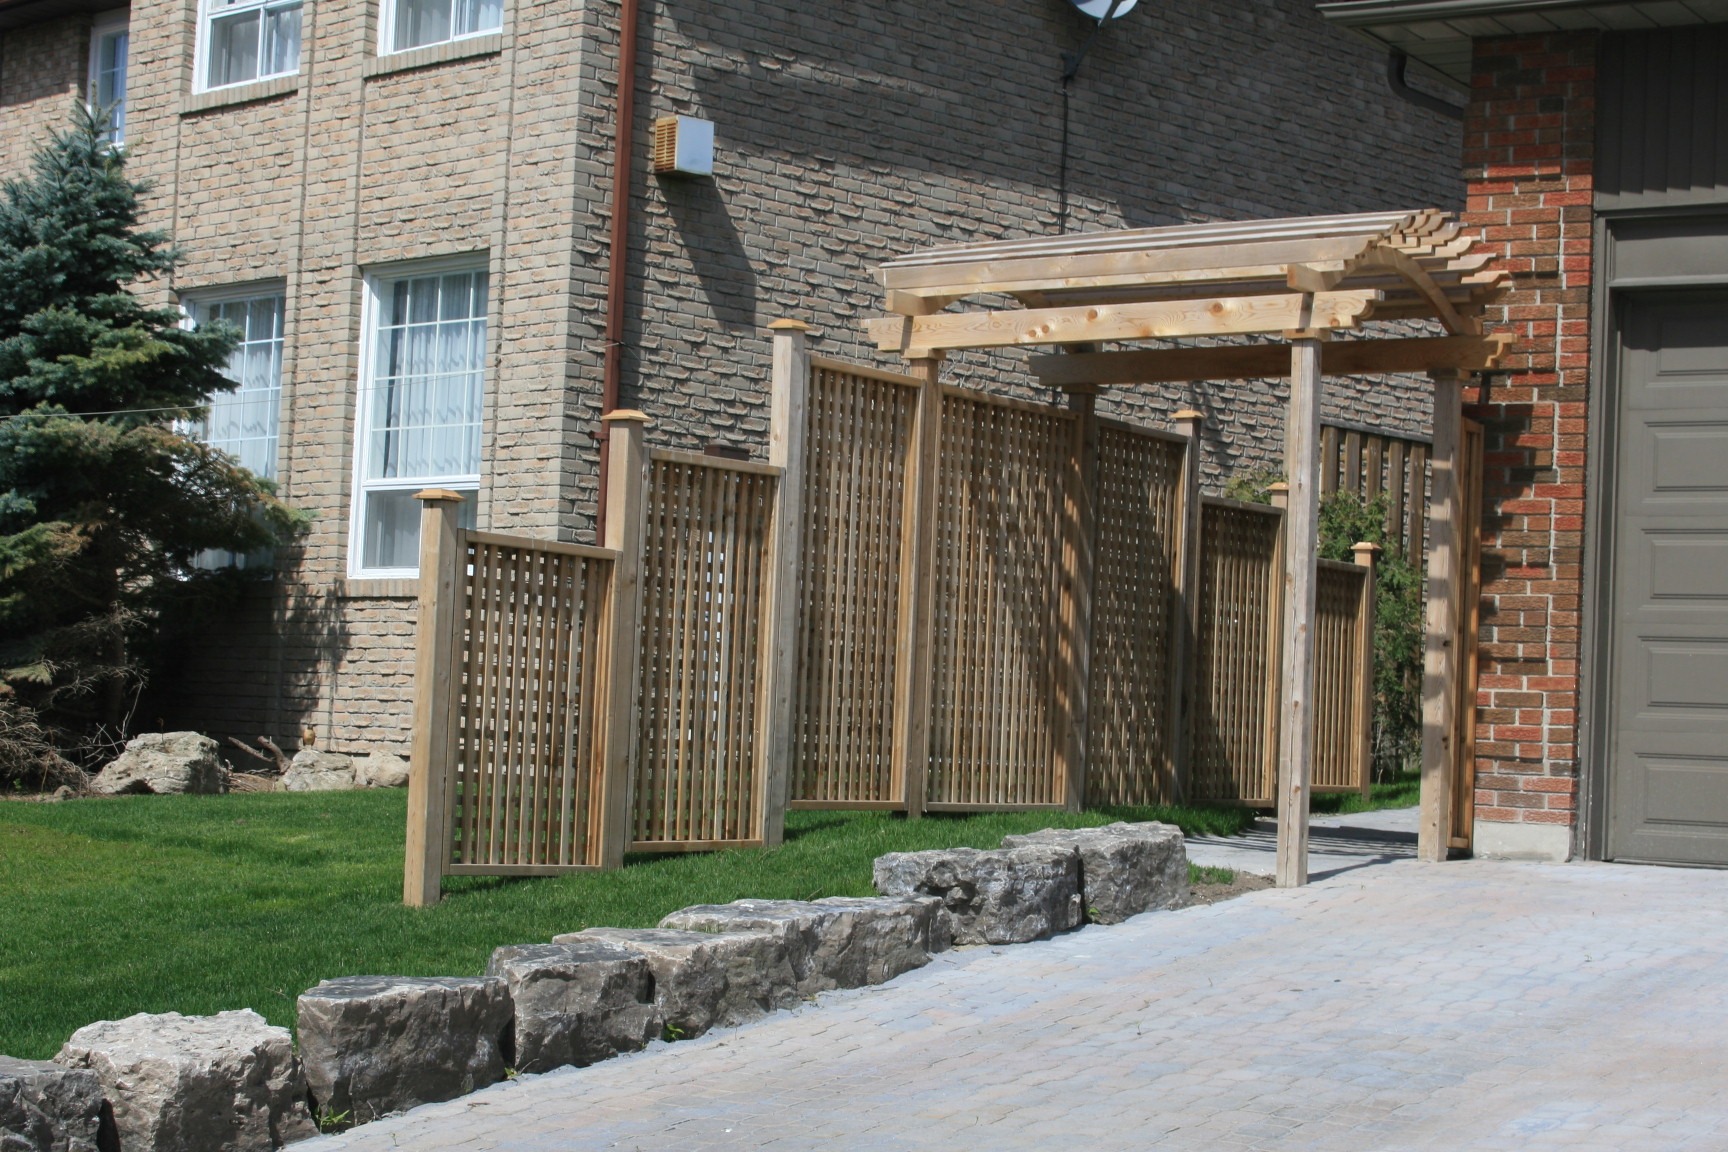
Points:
(1269, 361)
(917, 336)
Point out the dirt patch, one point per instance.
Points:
(1212, 893)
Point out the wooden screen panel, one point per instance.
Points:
(704, 574)
(523, 790)
(1339, 719)
(1136, 549)
(858, 431)
(1374, 464)
(1233, 717)
(999, 674)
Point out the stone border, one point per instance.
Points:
(372, 1046)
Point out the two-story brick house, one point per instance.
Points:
(405, 204)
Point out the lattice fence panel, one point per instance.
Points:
(859, 432)
(999, 662)
(1134, 612)
(705, 568)
(1233, 717)
(1340, 763)
(526, 711)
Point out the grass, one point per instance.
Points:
(198, 904)
(1402, 791)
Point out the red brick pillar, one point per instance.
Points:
(1528, 144)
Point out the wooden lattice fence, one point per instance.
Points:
(928, 599)
(704, 599)
(1373, 464)
(1232, 720)
(999, 669)
(858, 437)
(1137, 557)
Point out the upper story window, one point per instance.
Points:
(109, 38)
(422, 386)
(417, 23)
(245, 40)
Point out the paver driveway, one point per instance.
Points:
(1471, 1005)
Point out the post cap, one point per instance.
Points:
(439, 496)
(625, 416)
(1279, 492)
(788, 325)
(1365, 551)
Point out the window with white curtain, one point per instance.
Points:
(244, 40)
(422, 388)
(245, 423)
(417, 23)
(110, 38)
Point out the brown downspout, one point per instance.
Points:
(618, 250)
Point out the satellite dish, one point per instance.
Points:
(1099, 9)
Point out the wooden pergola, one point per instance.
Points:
(1283, 288)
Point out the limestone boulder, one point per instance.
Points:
(163, 763)
(1002, 896)
(381, 770)
(706, 980)
(315, 771)
(1125, 869)
(47, 1108)
(837, 942)
(576, 1003)
(374, 1045)
(223, 1083)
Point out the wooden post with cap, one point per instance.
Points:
(789, 395)
(1367, 556)
(915, 627)
(1439, 654)
(626, 523)
(432, 745)
(1184, 647)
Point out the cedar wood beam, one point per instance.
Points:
(1256, 361)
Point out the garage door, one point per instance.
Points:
(1668, 781)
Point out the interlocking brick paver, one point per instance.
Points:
(1473, 1005)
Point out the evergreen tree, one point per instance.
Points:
(105, 500)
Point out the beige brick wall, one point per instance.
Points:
(43, 70)
(846, 134)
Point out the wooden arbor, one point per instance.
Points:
(1297, 280)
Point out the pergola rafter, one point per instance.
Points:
(1297, 280)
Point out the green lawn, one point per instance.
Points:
(197, 904)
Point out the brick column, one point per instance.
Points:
(1528, 142)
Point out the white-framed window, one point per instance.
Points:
(418, 417)
(409, 24)
(110, 38)
(244, 40)
(246, 422)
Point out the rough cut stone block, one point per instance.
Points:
(315, 771)
(163, 763)
(47, 1108)
(178, 1083)
(706, 980)
(1125, 869)
(576, 1003)
(380, 1044)
(1004, 896)
(381, 770)
(837, 942)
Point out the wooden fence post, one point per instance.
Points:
(432, 747)
(1366, 556)
(1439, 663)
(1296, 716)
(790, 389)
(915, 628)
(1081, 530)
(626, 514)
(1186, 625)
